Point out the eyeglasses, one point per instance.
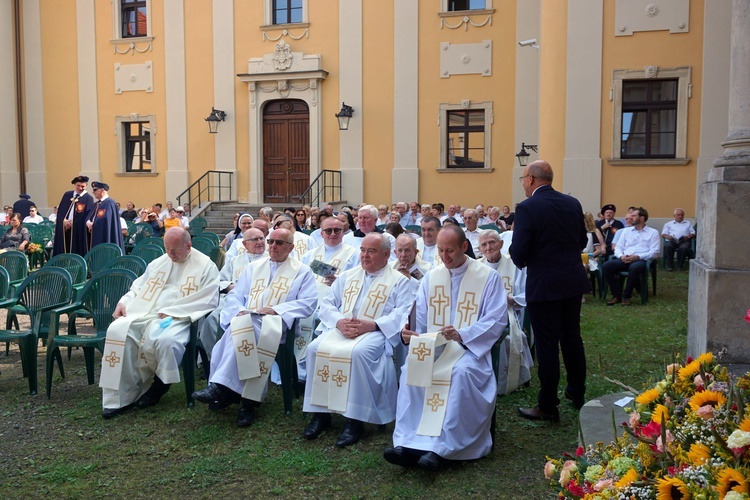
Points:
(334, 230)
(254, 240)
(524, 176)
(271, 241)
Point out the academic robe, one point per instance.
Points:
(76, 239)
(105, 224)
(471, 400)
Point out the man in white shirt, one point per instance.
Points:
(33, 216)
(677, 235)
(482, 218)
(471, 219)
(412, 217)
(409, 263)
(453, 211)
(637, 244)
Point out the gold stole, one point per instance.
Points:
(437, 260)
(507, 271)
(254, 359)
(338, 259)
(300, 245)
(333, 364)
(140, 306)
(424, 370)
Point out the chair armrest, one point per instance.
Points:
(4, 304)
(68, 308)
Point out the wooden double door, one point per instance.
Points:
(286, 151)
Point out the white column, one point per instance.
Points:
(405, 173)
(350, 91)
(36, 161)
(225, 154)
(177, 175)
(88, 103)
(527, 88)
(582, 166)
(9, 180)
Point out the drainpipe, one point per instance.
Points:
(19, 98)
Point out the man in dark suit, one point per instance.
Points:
(71, 234)
(23, 205)
(103, 220)
(548, 235)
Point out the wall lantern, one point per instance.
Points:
(214, 119)
(344, 115)
(523, 155)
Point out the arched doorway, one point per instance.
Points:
(286, 150)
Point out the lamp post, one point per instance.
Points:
(523, 155)
(214, 119)
(344, 115)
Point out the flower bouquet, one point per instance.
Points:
(33, 248)
(687, 437)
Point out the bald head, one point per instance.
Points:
(542, 172)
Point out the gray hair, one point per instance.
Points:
(412, 241)
(373, 211)
(470, 211)
(490, 233)
(267, 211)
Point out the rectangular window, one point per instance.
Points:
(287, 11)
(649, 118)
(454, 5)
(465, 139)
(133, 18)
(137, 146)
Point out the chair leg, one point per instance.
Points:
(88, 356)
(50, 366)
(188, 365)
(282, 359)
(30, 344)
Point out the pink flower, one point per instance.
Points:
(549, 469)
(747, 316)
(660, 445)
(602, 484)
(570, 465)
(705, 412)
(564, 477)
(674, 367)
(580, 451)
(635, 420)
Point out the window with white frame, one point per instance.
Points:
(285, 12)
(465, 136)
(649, 119)
(132, 18)
(135, 150)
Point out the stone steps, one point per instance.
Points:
(219, 215)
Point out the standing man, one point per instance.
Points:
(677, 235)
(548, 235)
(103, 221)
(23, 205)
(71, 235)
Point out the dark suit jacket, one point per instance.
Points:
(548, 235)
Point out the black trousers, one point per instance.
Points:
(635, 270)
(682, 249)
(558, 323)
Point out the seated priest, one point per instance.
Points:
(254, 246)
(270, 295)
(447, 392)
(146, 341)
(351, 365)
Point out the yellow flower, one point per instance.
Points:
(732, 480)
(691, 369)
(712, 398)
(647, 397)
(706, 358)
(660, 414)
(671, 488)
(745, 425)
(629, 477)
(699, 453)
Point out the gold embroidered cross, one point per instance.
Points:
(467, 308)
(300, 342)
(154, 284)
(438, 304)
(188, 287)
(339, 378)
(507, 284)
(262, 367)
(350, 295)
(279, 287)
(435, 402)
(323, 374)
(259, 288)
(375, 298)
(245, 347)
(421, 351)
(112, 359)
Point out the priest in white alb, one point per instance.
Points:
(259, 311)
(447, 392)
(145, 344)
(350, 365)
(427, 244)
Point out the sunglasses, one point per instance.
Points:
(334, 230)
(271, 241)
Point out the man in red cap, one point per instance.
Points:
(71, 235)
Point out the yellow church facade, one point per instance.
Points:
(627, 99)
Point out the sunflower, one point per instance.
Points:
(660, 414)
(699, 453)
(732, 480)
(692, 368)
(672, 488)
(647, 397)
(712, 398)
(629, 477)
(705, 358)
(745, 425)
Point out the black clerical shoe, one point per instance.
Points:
(400, 456)
(247, 413)
(430, 461)
(319, 423)
(224, 397)
(577, 402)
(210, 393)
(351, 433)
(536, 413)
(153, 394)
(108, 413)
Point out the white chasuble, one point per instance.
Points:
(254, 359)
(334, 357)
(302, 245)
(507, 270)
(142, 308)
(424, 369)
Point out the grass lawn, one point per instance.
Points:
(63, 447)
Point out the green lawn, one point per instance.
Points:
(63, 447)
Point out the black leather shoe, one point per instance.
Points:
(400, 456)
(577, 403)
(536, 413)
(224, 398)
(208, 394)
(429, 461)
(153, 394)
(351, 433)
(247, 413)
(108, 413)
(319, 423)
